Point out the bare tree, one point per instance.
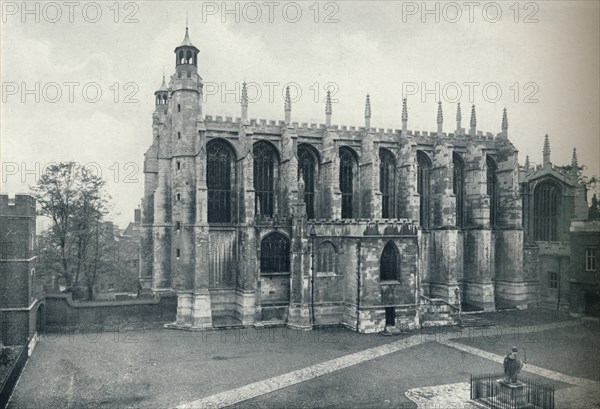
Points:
(75, 200)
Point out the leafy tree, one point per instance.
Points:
(75, 200)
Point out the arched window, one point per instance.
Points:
(348, 168)
(492, 189)
(307, 167)
(423, 187)
(264, 168)
(458, 188)
(181, 59)
(389, 263)
(220, 165)
(275, 254)
(188, 57)
(387, 183)
(546, 204)
(326, 258)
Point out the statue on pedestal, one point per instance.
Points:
(512, 366)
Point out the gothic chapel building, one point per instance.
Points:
(257, 222)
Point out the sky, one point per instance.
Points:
(78, 81)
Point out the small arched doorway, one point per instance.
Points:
(40, 319)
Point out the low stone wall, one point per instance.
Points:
(63, 314)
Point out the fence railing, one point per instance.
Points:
(11, 379)
(486, 390)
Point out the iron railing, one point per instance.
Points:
(486, 390)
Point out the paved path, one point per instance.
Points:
(444, 394)
(269, 385)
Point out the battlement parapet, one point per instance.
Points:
(313, 129)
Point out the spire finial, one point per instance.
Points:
(244, 101)
(186, 21)
(504, 120)
(368, 113)
(244, 94)
(546, 151)
(458, 119)
(574, 163)
(473, 122)
(440, 118)
(527, 164)
(328, 109)
(287, 106)
(288, 99)
(164, 84)
(404, 117)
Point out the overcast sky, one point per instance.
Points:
(546, 66)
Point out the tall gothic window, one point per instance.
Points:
(546, 204)
(275, 254)
(387, 183)
(307, 167)
(348, 168)
(492, 189)
(326, 258)
(220, 164)
(389, 266)
(264, 175)
(424, 187)
(458, 188)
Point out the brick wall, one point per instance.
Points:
(62, 314)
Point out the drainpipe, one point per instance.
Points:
(358, 246)
(313, 237)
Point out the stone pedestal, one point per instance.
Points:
(514, 395)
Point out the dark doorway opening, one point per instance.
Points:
(390, 316)
(40, 319)
(592, 304)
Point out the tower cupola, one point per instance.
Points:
(186, 55)
(162, 95)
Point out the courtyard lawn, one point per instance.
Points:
(161, 368)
